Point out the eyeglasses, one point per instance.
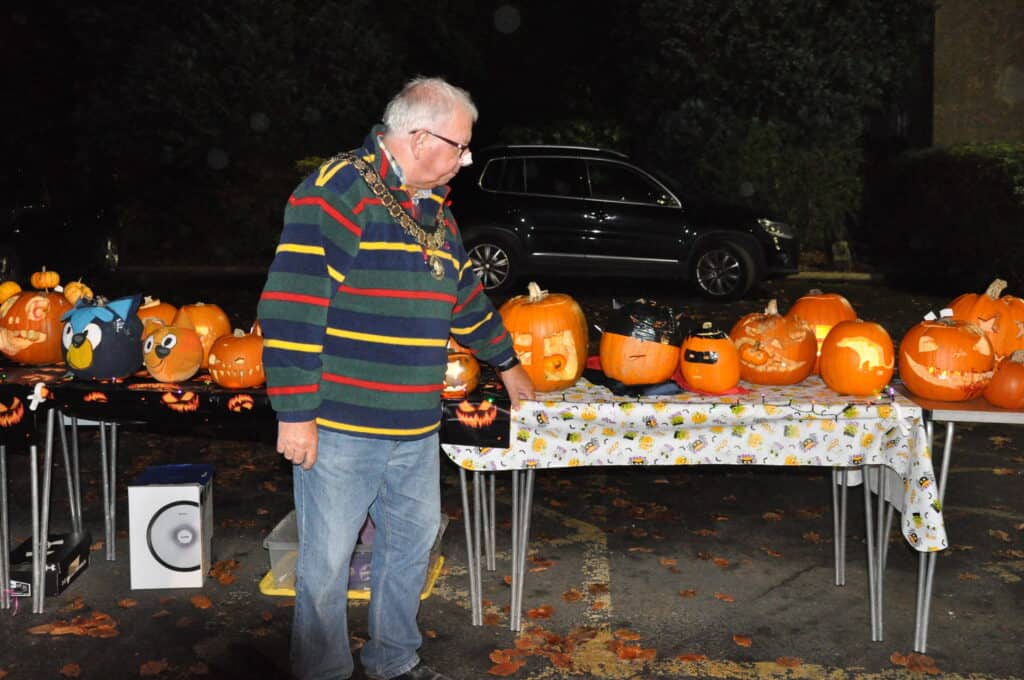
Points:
(463, 148)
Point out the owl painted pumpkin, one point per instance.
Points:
(709, 361)
(640, 344)
(549, 335)
(773, 349)
(103, 340)
(172, 353)
(946, 359)
(30, 327)
(236, 360)
(208, 320)
(857, 358)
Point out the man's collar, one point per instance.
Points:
(417, 194)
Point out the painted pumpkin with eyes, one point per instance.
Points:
(709, 361)
(208, 320)
(172, 353)
(946, 359)
(236, 361)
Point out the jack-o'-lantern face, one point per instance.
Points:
(461, 375)
(172, 353)
(240, 403)
(95, 398)
(181, 402)
(946, 359)
(11, 414)
(30, 327)
(236, 361)
(476, 416)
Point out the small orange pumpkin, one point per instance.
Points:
(44, 279)
(857, 358)
(1006, 390)
(208, 320)
(172, 353)
(236, 361)
(549, 335)
(77, 290)
(773, 349)
(8, 289)
(946, 359)
(153, 309)
(709, 361)
(822, 311)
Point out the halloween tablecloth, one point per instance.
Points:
(802, 424)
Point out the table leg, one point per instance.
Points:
(491, 553)
(38, 552)
(478, 519)
(926, 561)
(869, 531)
(519, 571)
(471, 552)
(880, 542)
(5, 529)
(516, 504)
(480, 481)
(839, 499)
(71, 470)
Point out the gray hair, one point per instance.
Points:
(425, 101)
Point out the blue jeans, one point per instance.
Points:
(398, 482)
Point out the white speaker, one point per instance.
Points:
(170, 526)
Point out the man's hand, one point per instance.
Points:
(517, 384)
(297, 442)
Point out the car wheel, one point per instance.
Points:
(495, 264)
(723, 271)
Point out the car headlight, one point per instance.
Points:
(778, 229)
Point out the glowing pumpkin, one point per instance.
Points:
(461, 376)
(208, 320)
(1006, 390)
(709, 361)
(946, 359)
(773, 349)
(857, 358)
(1000, 318)
(549, 335)
(172, 353)
(822, 311)
(236, 361)
(30, 327)
(640, 345)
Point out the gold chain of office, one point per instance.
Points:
(428, 242)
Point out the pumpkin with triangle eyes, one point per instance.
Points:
(946, 359)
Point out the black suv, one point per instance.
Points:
(572, 210)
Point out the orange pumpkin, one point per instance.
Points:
(946, 359)
(44, 279)
(640, 345)
(152, 310)
(709, 361)
(77, 290)
(172, 353)
(30, 327)
(857, 358)
(1006, 390)
(236, 361)
(773, 349)
(208, 320)
(1000, 318)
(549, 335)
(461, 376)
(822, 311)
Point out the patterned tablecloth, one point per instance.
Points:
(802, 424)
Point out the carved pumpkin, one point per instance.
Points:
(946, 359)
(773, 349)
(236, 361)
(549, 334)
(208, 320)
(461, 376)
(180, 402)
(30, 327)
(857, 358)
(8, 289)
(822, 311)
(44, 279)
(709, 361)
(103, 340)
(172, 353)
(476, 416)
(11, 414)
(241, 402)
(1001, 319)
(1006, 390)
(640, 344)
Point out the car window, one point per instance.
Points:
(618, 182)
(556, 176)
(504, 174)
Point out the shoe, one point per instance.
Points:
(421, 671)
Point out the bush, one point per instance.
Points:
(956, 210)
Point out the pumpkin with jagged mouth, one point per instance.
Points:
(946, 359)
(11, 414)
(241, 402)
(181, 402)
(476, 416)
(236, 361)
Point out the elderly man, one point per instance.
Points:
(369, 281)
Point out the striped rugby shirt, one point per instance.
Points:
(355, 327)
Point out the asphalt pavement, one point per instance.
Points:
(632, 572)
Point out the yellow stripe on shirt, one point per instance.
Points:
(335, 425)
(293, 346)
(387, 339)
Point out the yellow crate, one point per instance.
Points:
(267, 584)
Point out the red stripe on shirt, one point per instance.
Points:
(330, 210)
(476, 291)
(295, 297)
(402, 294)
(382, 386)
(291, 389)
(365, 202)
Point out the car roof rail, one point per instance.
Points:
(556, 147)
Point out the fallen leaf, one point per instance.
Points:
(572, 595)
(742, 640)
(705, 532)
(224, 571)
(689, 592)
(506, 669)
(507, 580)
(789, 661)
(692, 657)
(967, 576)
(597, 588)
(815, 537)
(721, 562)
(200, 602)
(626, 634)
(430, 634)
(639, 549)
(772, 516)
(668, 561)
(153, 667)
(98, 545)
(500, 656)
(491, 619)
(1000, 535)
(600, 604)
(199, 668)
(542, 612)
(719, 517)
(1003, 472)
(771, 553)
(127, 603)
(724, 597)
(560, 660)
(69, 670)
(999, 441)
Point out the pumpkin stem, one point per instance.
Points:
(535, 292)
(773, 307)
(995, 289)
